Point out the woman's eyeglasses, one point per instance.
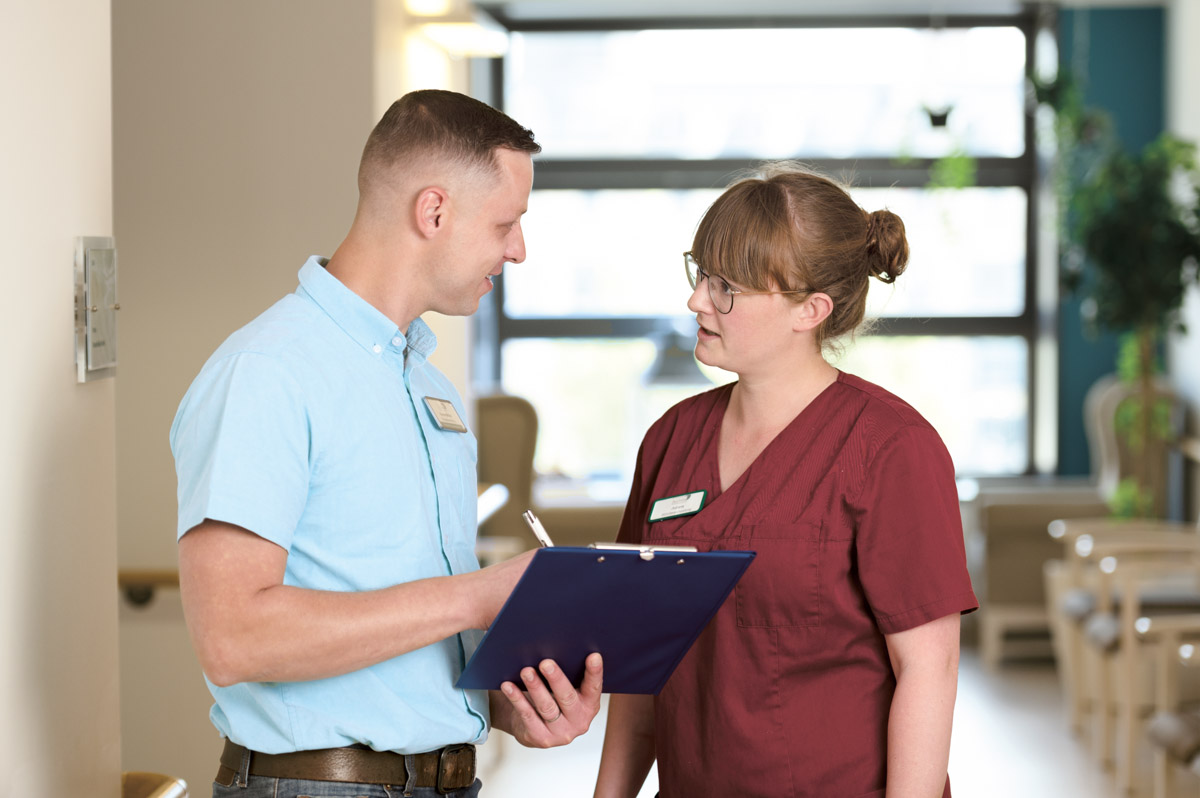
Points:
(719, 290)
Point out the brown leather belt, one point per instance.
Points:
(447, 769)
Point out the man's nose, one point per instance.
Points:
(516, 245)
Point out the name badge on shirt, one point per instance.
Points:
(675, 506)
(444, 414)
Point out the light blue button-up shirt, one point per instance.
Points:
(309, 428)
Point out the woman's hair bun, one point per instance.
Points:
(886, 246)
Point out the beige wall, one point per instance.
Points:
(58, 609)
(404, 62)
(1183, 112)
(237, 131)
(238, 127)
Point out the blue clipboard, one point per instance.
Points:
(642, 613)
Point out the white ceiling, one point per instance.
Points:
(600, 9)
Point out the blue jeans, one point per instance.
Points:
(268, 787)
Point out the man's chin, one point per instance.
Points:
(468, 308)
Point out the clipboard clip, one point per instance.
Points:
(644, 551)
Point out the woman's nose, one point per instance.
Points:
(700, 301)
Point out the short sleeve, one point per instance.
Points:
(241, 442)
(909, 541)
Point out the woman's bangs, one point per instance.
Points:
(745, 237)
(725, 242)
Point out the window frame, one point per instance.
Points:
(1035, 324)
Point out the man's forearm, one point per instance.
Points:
(292, 634)
(248, 626)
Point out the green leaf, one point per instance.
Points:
(1130, 500)
(956, 170)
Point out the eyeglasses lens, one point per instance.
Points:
(693, 271)
(720, 293)
(718, 290)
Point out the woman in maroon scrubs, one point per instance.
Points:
(832, 669)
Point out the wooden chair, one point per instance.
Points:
(141, 784)
(1072, 597)
(1174, 730)
(1071, 585)
(1112, 458)
(506, 428)
(1154, 574)
(1012, 589)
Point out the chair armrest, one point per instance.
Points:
(1150, 544)
(1190, 446)
(1124, 581)
(1182, 626)
(1068, 529)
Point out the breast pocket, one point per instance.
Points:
(782, 587)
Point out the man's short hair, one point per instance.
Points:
(442, 126)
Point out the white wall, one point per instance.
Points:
(58, 609)
(1183, 119)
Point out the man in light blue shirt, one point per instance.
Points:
(327, 490)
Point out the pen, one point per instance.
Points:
(539, 531)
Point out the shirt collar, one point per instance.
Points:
(361, 320)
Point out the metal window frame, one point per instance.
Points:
(493, 327)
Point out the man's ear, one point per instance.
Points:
(431, 207)
(809, 314)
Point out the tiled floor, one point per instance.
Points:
(508, 770)
(1010, 741)
(1011, 737)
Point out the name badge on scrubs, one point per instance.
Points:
(676, 506)
(444, 414)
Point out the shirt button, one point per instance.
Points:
(397, 341)
(377, 349)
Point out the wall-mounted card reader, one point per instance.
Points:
(96, 308)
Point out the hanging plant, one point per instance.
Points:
(955, 170)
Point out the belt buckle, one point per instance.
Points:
(442, 789)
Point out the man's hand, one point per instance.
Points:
(490, 587)
(545, 718)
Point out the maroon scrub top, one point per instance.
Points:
(853, 512)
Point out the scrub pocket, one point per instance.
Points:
(782, 587)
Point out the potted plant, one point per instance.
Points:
(1133, 230)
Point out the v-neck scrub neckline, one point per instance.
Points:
(721, 408)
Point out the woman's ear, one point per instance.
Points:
(809, 314)
(431, 207)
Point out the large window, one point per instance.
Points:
(642, 129)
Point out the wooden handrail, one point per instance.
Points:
(139, 584)
(154, 577)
